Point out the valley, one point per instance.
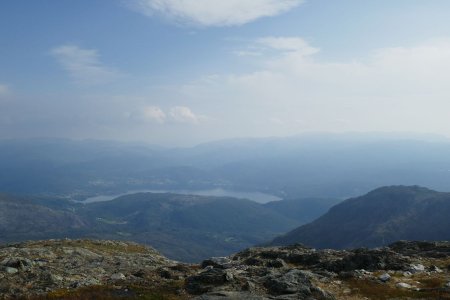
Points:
(191, 228)
(183, 227)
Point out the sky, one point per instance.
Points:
(182, 72)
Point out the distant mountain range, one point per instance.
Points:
(183, 227)
(378, 218)
(315, 165)
(191, 228)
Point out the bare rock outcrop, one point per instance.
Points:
(92, 269)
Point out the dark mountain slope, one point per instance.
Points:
(22, 219)
(382, 216)
(184, 226)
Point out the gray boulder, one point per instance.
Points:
(384, 277)
(293, 282)
(207, 280)
(10, 270)
(20, 263)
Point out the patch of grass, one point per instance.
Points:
(107, 247)
(375, 290)
(166, 292)
(443, 263)
(433, 283)
(103, 246)
(93, 292)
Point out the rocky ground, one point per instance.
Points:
(88, 269)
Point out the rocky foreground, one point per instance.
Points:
(89, 269)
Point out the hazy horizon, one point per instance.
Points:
(351, 135)
(176, 73)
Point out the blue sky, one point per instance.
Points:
(180, 72)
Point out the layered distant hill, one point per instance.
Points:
(184, 227)
(378, 218)
(315, 165)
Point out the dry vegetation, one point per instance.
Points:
(169, 292)
(90, 269)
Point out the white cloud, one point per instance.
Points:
(84, 65)
(176, 114)
(213, 12)
(294, 44)
(247, 53)
(391, 89)
(278, 45)
(154, 114)
(183, 114)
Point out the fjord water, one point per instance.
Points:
(254, 196)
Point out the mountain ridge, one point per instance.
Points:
(377, 218)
